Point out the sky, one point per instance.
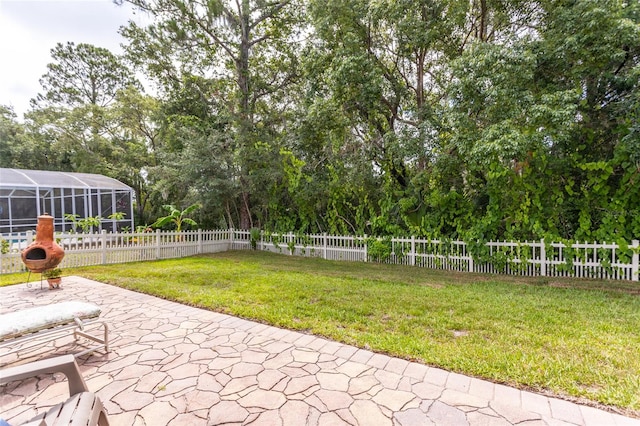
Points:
(29, 29)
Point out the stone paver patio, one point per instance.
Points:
(172, 364)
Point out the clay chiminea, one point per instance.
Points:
(43, 253)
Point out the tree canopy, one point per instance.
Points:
(483, 119)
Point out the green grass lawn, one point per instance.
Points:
(578, 338)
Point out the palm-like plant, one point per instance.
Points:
(177, 217)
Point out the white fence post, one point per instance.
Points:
(543, 259)
(413, 250)
(157, 243)
(29, 238)
(324, 245)
(470, 256)
(290, 238)
(200, 241)
(103, 241)
(366, 249)
(635, 261)
(232, 235)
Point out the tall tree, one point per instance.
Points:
(82, 75)
(135, 132)
(246, 46)
(538, 122)
(486, 118)
(92, 117)
(384, 67)
(81, 83)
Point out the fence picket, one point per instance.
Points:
(590, 260)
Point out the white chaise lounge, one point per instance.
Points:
(34, 326)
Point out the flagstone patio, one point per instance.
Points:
(172, 364)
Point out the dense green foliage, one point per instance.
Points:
(478, 119)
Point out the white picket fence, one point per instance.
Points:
(107, 248)
(536, 258)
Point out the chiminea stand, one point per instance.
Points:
(30, 284)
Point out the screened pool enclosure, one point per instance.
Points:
(26, 194)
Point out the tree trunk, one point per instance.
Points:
(245, 116)
(483, 21)
(246, 222)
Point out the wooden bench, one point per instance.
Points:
(30, 327)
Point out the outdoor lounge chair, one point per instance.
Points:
(43, 324)
(81, 408)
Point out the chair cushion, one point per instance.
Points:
(31, 320)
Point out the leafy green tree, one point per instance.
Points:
(536, 121)
(92, 117)
(245, 48)
(23, 145)
(483, 119)
(11, 138)
(490, 119)
(593, 47)
(137, 121)
(72, 112)
(82, 75)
